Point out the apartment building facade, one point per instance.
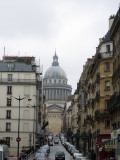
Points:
(114, 101)
(20, 103)
(96, 89)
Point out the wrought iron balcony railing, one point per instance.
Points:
(5, 80)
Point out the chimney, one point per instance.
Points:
(111, 19)
(100, 40)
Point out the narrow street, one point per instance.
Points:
(53, 150)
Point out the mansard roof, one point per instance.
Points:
(15, 67)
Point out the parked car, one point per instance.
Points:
(56, 141)
(43, 150)
(60, 156)
(12, 158)
(39, 156)
(80, 158)
(70, 147)
(73, 150)
(50, 143)
(47, 147)
(77, 155)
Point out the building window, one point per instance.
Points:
(9, 89)
(10, 66)
(8, 141)
(50, 81)
(107, 85)
(107, 48)
(59, 81)
(9, 102)
(107, 124)
(107, 66)
(9, 77)
(8, 114)
(106, 104)
(55, 81)
(8, 126)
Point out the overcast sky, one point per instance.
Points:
(37, 27)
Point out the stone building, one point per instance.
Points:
(56, 91)
(95, 121)
(19, 82)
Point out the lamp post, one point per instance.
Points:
(34, 106)
(18, 139)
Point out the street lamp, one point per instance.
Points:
(33, 126)
(18, 138)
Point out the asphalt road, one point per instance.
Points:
(58, 147)
(53, 150)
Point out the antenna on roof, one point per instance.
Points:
(4, 51)
(55, 51)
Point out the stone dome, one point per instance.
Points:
(55, 71)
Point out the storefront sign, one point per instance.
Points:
(109, 147)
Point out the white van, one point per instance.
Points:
(4, 152)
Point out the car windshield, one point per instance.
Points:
(59, 153)
(82, 158)
(76, 151)
(42, 155)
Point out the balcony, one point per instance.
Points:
(97, 114)
(85, 123)
(92, 102)
(97, 96)
(93, 87)
(113, 101)
(88, 119)
(104, 113)
(97, 77)
(106, 54)
(79, 106)
(92, 121)
(116, 74)
(88, 102)
(31, 81)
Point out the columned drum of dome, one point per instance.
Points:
(56, 91)
(55, 82)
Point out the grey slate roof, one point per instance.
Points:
(107, 37)
(15, 67)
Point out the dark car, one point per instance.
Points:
(60, 156)
(50, 143)
(56, 141)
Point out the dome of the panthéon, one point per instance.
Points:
(55, 71)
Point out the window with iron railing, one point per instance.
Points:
(8, 114)
(8, 126)
(9, 102)
(107, 124)
(107, 85)
(107, 66)
(9, 77)
(8, 141)
(9, 89)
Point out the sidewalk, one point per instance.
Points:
(31, 157)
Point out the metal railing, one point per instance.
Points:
(5, 80)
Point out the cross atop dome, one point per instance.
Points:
(55, 60)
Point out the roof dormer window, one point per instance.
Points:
(10, 66)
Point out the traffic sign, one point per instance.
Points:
(18, 139)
